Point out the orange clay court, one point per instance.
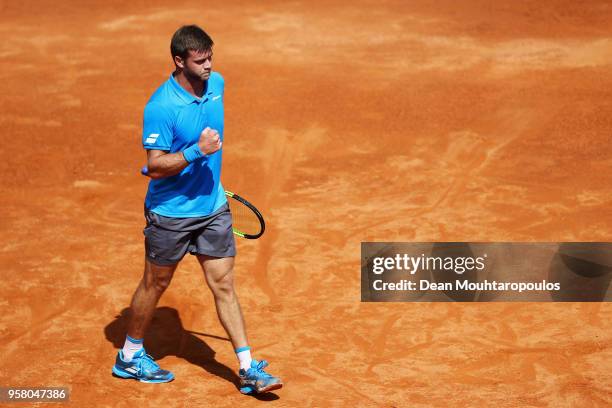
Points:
(345, 122)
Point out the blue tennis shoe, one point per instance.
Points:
(142, 368)
(256, 380)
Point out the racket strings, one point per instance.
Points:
(244, 220)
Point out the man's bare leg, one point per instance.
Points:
(154, 282)
(132, 361)
(219, 273)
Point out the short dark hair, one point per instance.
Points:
(189, 37)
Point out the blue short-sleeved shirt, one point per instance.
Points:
(173, 121)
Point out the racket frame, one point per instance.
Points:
(255, 211)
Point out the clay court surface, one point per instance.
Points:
(368, 121)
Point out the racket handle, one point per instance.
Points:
(144, 171)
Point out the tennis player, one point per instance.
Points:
(186, 209)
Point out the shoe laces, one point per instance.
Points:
(260, 368)
(146, 363)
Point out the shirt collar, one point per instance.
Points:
(186, 96)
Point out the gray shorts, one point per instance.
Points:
(168, 239)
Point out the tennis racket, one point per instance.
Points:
(247, 221)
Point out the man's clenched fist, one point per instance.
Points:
(209, 141)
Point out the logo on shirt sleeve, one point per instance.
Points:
(152, 138)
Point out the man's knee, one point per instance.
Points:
(223, 287)
(158, 277)
(161, 282)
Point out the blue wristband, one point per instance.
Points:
(192, 153)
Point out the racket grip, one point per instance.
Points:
(144, 171)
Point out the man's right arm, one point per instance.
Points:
(157, 139)
(162, 164)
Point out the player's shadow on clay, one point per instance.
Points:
(166, 336)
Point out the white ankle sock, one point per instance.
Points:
(244, 357)
(131, 347)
